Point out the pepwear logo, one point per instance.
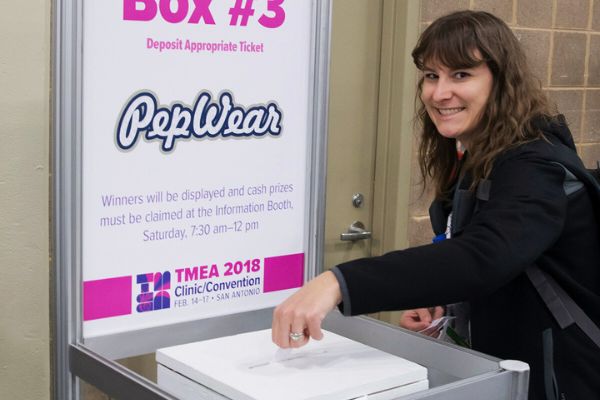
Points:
(159, 297)
(142, 116)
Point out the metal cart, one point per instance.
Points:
(454, 372)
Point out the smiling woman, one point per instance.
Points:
(505, 208)
(503, 99)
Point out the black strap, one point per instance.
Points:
(561, 305)
(549, 375)
(483, 190)
(564, 310)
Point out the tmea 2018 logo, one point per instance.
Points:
(158, 298)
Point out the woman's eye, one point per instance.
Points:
(430, 75)
(461, 75)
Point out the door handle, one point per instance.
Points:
(356, 231)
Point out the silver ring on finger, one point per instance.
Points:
(295, 336)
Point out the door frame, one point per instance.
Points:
(395, 128)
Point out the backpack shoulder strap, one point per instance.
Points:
(561, 305)
(574, 167)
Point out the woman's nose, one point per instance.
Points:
(443, 90)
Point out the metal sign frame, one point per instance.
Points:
(92, 359)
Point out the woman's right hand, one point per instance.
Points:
(420, 318)
(304, 311)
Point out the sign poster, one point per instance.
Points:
(195, 145)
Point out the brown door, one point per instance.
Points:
(370, 131)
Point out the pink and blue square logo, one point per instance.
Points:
(156, 299)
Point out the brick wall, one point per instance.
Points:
(562, 42)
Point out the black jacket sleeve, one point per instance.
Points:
(524, 216)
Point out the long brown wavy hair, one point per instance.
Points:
(515, 100)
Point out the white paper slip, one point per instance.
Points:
(250, 367)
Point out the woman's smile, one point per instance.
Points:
(449, 111)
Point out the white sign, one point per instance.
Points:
(195, 145)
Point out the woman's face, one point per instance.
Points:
(455, 98)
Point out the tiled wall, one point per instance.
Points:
(562, 42)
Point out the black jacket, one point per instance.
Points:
(527, 220)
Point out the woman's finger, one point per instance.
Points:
(305, 309)
(424, 315)
(280, 328)
(438, 312)
(411, 319)
(297, 335)
(314, 328)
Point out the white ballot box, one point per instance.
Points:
(249, 366)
